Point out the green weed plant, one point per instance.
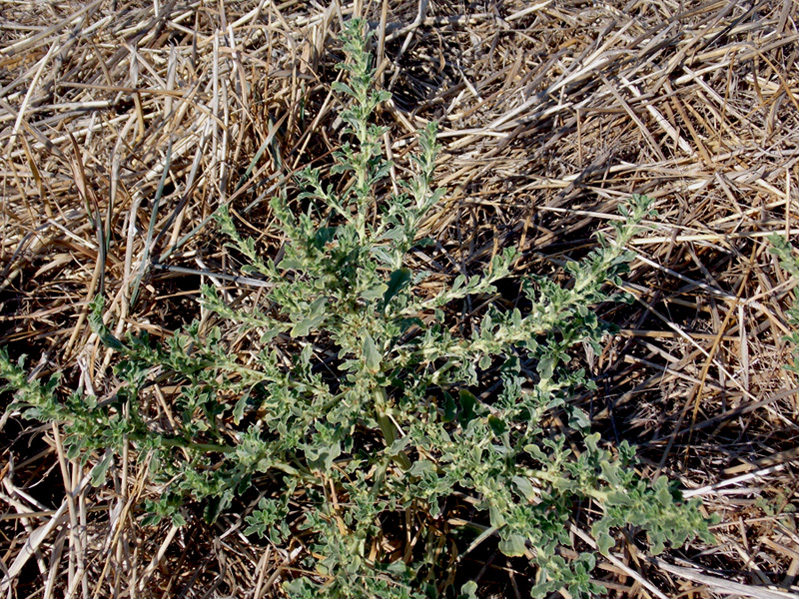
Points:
(360, 422)
(782, 249)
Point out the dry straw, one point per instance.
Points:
(123, 125)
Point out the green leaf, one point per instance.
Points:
(99, 328)
(450, 408)
(323, 456)
(374, 292)
(398, 280)
(496, 517)
(371, 354)
(578, 419)
(343, 88)
(546, 367)
(99, 471)
(151, 519)
(604, 543)
(513, 546)
(469, 590)
(315, 318)
(468, 403)
(178, 519)
(525, 487)
(238, 409)
(498, 426)
(73, 451)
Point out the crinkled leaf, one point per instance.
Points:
(99, 471)
(513, 546)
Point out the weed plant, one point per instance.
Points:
(782, 249)
(360, 418)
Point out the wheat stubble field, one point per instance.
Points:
(125, 125)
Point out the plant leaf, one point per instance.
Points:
(370, 353)
(398, 280)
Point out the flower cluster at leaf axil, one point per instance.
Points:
(356, 411)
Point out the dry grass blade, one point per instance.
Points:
(722, 586)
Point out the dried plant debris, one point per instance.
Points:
(125, 126)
